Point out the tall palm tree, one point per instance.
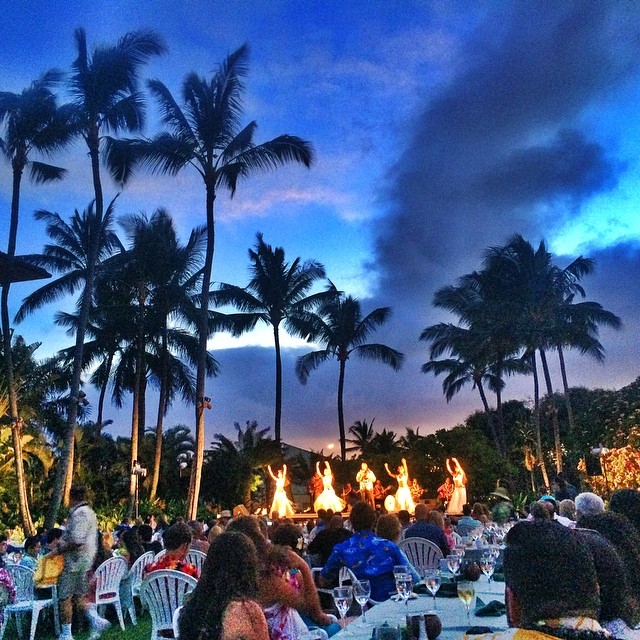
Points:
(77, 250)
(342, 329)
(362, 432)
(32, 122)
(104, 95)
(206, 134)
(277, 295)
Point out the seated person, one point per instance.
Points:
(322, 545)
(368, 556)
(551, 588)
(177, 540)
(145, 533)
(466, 524)
(31, 549)
(423, 528)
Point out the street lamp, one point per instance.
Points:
(136, 473)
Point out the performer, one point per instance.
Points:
(416, 490)
(366, 478)
(445, 491)
(280, 504)
(459, 495)
(379, 493)
(328, 498)
(403, 494)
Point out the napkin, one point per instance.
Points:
(397, 597)
(493, 608)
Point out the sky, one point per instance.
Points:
(440, 129)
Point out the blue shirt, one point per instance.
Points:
(428, 531)
(370, 558)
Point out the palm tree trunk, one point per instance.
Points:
(16, 422)
(68, 481)
(487, 412)
(203, 333)
(565, 386)
(536, 420)
(343, 435)
(103, 392)
(278, 416)
(553, 411)
(162, 408)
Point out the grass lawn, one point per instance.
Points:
(45, 629)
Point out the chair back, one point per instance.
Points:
(108, 577)
(196, 558)
(162, 592)
(22, 581)
(159, 555)
(423, 554)
(135, 573)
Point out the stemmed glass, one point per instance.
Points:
(453, 564)
(466, 593)
(404, 582)
(343, 597)
(433, 581)
(487, 564)
(362, 592)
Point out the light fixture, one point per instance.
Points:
(205, 402)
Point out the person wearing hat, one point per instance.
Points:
(503, 508)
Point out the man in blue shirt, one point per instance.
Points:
(467, 524)
(422, 528)
(368, 556)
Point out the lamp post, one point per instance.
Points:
(137, 471)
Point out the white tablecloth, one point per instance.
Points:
(451, 611)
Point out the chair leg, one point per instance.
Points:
(3, 626)
(35, 614)
(56, 617)
(132, 613)
(118, 607)
(18, 618)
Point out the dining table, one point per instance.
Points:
(449, 609)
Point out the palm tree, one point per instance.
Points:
(77, 250)
(32, 121)
(276, 295)
(342, 329)
(206, 134)
(363, 435)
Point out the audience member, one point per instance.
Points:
(177, 540)
(466, 524)
(322, 545)
(199, 541)
(31, 549)
(145, 534)
(423, 528)
(567, 509)
(588, 504)
(627, 502)
(436, 518)
(368, 556)
(388, 527)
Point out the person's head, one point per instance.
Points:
(627, 502)
(389, 527)
(288, 535)
(53, 537)
(250, 526)
(177, 539)
(435, 517)
(145, 533)
(364, 466)
(588, 504)
(466, 509)
(567, 508)
(197, 529)
(32, 545)
(363, 517)
(78, 493)
(422, 511)
(549, 573)
(131, 541)
(542, 510)
(551, 501)
(405, 517)
(229, 573)
(477, 511)
(322, 515)
(336, 522)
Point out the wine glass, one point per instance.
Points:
(488, 566)
(343, 597)
(466, 593)
(453, 564)
(404, 584)
(362, 592)
(433, 581)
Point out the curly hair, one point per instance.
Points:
(229, 573)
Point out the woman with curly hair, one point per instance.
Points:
(223, 605)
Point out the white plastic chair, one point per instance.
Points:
(159, 555)
(25, 602)
(196, 558)
(108, 577)
(134, 577)
(423, 554)
(162, 592)
(175, 621)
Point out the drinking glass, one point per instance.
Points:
(433, 581)
(404, 584)
(466, 593)
(343, 597)
(362, 592)
(488, 566)
(453, 564)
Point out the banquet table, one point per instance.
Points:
(450, 610)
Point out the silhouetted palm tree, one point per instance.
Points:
(363, 434)
(206, 134)
(277, 295)
(342, 329)
(31, 121)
